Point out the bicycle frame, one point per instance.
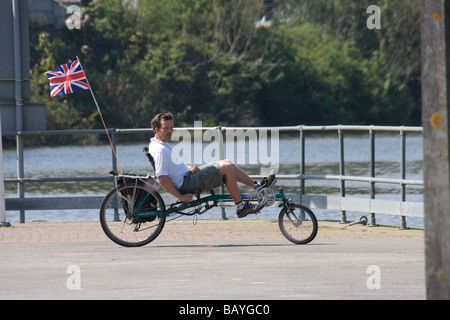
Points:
(179, 207)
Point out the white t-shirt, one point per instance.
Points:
(166, 163)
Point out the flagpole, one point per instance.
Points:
(101, 116)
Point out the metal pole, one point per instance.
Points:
(114, 147)
(435, 116)
(403, 172)
(302, 163)
(342, 170)
(114, 169)
(372, 174)
(223, 214)
(19, 101)
(3, 222)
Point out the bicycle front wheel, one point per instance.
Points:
(125, 215)
(298, 223)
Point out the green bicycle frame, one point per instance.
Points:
(215, 198)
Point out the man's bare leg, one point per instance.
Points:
(231, 175)
(242, 177)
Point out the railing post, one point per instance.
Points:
(342, 170)
(403, 172)
(114, 143)
(20, 173)
(223, 214)
(112, 133)
(372, 173)
(302, 163)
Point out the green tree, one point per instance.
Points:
(206, 60)
(391, 54)
(320, 82)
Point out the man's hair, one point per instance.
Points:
(156, 122)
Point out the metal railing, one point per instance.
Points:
(372, 205)
(341, 203)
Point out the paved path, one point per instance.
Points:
(64, 265)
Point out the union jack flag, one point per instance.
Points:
(68, 78)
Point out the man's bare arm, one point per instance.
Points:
(169, 187)
(193, 169)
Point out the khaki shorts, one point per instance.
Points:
(208, 178)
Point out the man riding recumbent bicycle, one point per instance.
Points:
(134, 214)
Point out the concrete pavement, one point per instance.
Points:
(213, 268)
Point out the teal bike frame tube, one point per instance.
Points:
(213, 197)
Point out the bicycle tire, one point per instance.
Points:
(298, 223)
(122, 226)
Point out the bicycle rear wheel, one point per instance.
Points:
(120, 215)
(298, 223)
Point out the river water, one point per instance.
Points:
(322, 157)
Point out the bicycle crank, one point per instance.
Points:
(266, 196)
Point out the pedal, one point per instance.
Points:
(266, 196)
